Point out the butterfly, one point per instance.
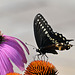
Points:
(47, 40)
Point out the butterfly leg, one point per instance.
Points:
(43, 56)
(37, 56)
(46, 57)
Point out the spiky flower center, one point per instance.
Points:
(40, 67)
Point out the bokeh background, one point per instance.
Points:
(16, 19)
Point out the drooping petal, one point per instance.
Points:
(1, 67)
(5, 64)
(13, 43)
(9, 37)
(13, 55)
(24, 45)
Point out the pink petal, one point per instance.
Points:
(9, 37)
(5, 64)
(24, 46)
(13, 55)
(13, 43)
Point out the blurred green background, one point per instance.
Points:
(16, 19)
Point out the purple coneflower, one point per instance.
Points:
(11, 50)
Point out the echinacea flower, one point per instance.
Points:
(40, 67)
(10, 49)
(13, 74)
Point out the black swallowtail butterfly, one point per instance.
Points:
(47, 40)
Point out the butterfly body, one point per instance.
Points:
(47, 40)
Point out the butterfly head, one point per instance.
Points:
(38, 50)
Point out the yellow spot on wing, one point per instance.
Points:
(60, 47)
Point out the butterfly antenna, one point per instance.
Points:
(70, 40)
(31, 45)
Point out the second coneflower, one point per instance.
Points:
(40, 67)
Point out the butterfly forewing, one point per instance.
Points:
(45, 36)
(41, 31)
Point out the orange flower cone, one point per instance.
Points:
(40, 67)
(13, 74)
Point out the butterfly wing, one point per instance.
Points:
(40, 31)
(45, 35)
